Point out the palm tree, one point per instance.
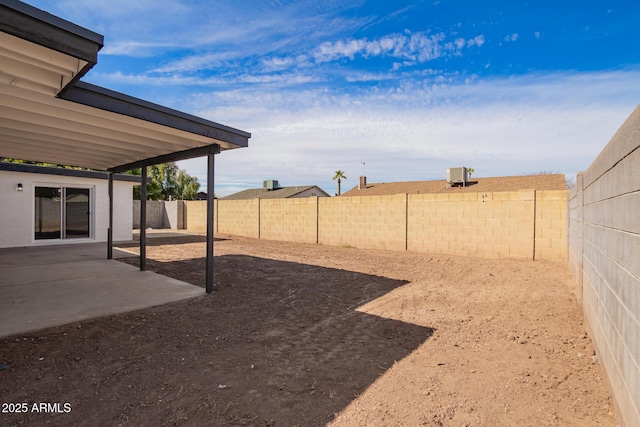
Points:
(470, 171)
(339, 176)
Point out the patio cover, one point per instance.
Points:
(47, 114)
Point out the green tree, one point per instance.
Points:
(187, 186)
(154, 189)
(168, 182)
(166, 174)
(29, 162)
(339, 176)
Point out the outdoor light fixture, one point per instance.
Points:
(19, 187)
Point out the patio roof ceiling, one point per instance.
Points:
(48, 115)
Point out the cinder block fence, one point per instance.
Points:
(604, 255)
(522, 224)
(161, 214)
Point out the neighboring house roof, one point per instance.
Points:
(475, 185)
(47, 170)
(279, 193)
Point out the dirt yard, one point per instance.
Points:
(311, 335)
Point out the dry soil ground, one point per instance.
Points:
(312, 335)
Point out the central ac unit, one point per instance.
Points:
(457, 175)
(270, 184)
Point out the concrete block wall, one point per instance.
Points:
(374, 222)
(239, 217)
(155, 214)
(160, 214)
(291, 220)
(492, 225)
(195, 215)
(520, 224)
(174, 215)
(551, 225)
(605, 256)
(575, 232)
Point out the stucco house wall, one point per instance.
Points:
(17, 208)
(310, 192)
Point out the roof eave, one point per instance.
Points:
(116, 102)
(39, 27)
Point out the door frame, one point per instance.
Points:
(63, 187)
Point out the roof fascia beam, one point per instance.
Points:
(166, 158)
(105, 99)
(48, 170)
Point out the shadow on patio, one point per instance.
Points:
(280, 343)
(159, 238)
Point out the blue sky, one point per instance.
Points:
(408, 88)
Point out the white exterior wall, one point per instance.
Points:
(17, 208)
(122, 211)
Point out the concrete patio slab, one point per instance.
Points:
(47, 286)
(55, 254)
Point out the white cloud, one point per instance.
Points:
(476, 41)
(408, 50)
(414, 131)
(419, 47)
(286, 78)
(134, 48)
(370, 77)
(279, 63)
(199, 62)
(123, 9)
(331, 51)
(511, 38)
(175, 80)
(145, 27)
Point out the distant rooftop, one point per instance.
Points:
(278, 193)
(474, 185)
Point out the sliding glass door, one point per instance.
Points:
(62, 213)
(48, 213)
(76, 213)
